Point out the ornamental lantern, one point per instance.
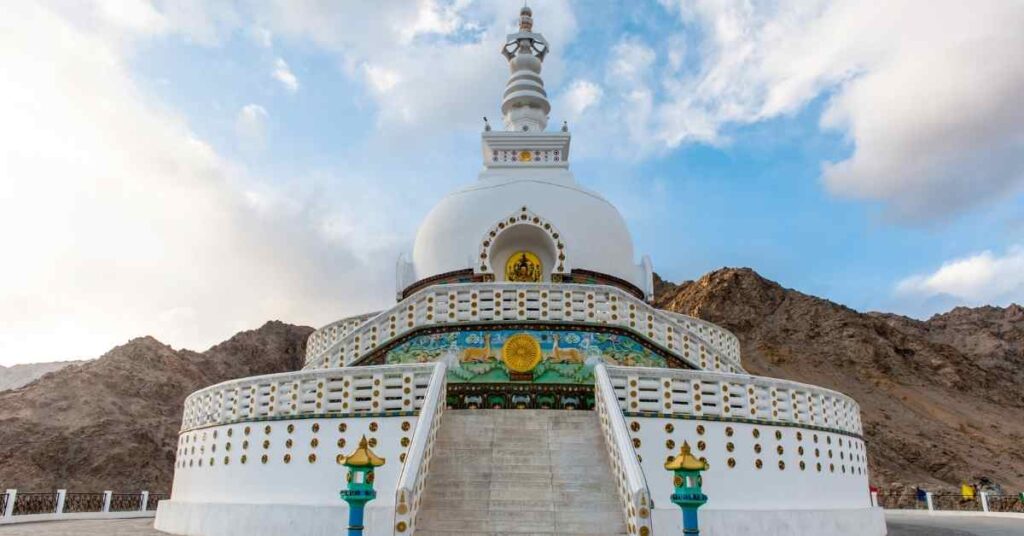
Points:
(360, 484)
(687, 482)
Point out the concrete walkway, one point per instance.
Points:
(902, 525)
(939, 525)
(92, 527)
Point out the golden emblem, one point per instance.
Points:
(523, 267)
(521, 353)
(525, 156)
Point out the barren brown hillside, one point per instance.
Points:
(941, 399)
(112, 423)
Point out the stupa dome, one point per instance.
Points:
(593, 234)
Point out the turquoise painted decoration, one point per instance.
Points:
(566, 356)
(688, 482)
(361, 464)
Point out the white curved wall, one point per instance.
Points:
(595, 234)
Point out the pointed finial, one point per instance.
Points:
(363, 456)
(565, 126)
(525, 19)
(487, 126)
(686, 461)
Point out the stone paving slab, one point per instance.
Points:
(925, 525)
(91, 527)
(902, 526)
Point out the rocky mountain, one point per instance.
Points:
(17, 375)
(112, 423)
(941, 399)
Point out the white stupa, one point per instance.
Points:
(521, 300)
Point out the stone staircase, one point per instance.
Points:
(508, 472)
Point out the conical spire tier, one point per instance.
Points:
(525, 104)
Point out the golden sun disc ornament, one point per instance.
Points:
(521, 353)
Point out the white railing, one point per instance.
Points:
(321, 339)
(717, 336)
(739, 396)
(417, 463)
(29, 507)
(354, 391)
(598, 305)
(632, 486)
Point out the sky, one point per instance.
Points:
(188, 169)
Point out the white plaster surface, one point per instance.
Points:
(595, 234)
(234, 519)
(276, 482)
(851, 522)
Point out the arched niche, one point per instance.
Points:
(523, 231)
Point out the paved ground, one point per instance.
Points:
(923, 525)
(99, 527)
(903, 526)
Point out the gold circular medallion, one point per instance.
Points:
(521, 353)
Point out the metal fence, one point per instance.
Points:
(35, 503)
(154, 499)
(14, 503)
(125, 502)
(956, 502)
(901, 501)
(75, 503)
(1006, 503)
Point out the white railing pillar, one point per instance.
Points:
(106, 500)
(928, 499)
(145, 501)
(62, 495)
(12, 495)
(874, 499)
(984, 501)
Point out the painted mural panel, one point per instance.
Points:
(497, 356)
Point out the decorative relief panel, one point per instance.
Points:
(533, 355)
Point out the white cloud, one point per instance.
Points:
(581, 95)
(926, 91)
(282, 73)
(983, 278)
(117, 221)
(251, 126)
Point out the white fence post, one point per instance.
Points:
(984, 501)
(106, 500)
(62, 495)
(145, 501)
(12, 495)
(874, 499)
(928, 498)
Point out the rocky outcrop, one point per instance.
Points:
(941, 399)
(112, 423)
(18, 375)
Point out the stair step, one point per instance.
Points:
(504, 472)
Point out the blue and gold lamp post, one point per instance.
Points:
(360, 484)
(687, 481)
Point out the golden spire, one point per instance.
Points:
(685, 461)
(363, 456)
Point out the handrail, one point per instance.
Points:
(689, 341)
(417, 463)
(327, 335)
(358, 390)
(695, 393)
(632, 486)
